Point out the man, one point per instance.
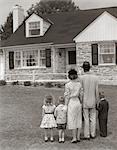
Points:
(90, 96)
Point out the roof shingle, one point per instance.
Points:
(66, 26)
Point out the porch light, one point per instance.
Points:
(60, 51)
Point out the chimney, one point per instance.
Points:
(18, 16)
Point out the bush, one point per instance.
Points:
(36, 84)
(15, 83)
(59, 85)
(2, 82)
(27, 83)
(48, 85)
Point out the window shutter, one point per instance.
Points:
(94, 54)
(72, 57)
(11, 60)
(116, 54)
(48, 57)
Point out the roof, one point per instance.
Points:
(66, 26)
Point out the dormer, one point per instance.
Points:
(36, 26)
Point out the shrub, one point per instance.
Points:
(48, 85)
(59, 85)
(15, 83)
(2, 82)
(27, 83)
(36, 84)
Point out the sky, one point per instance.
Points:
(7, 5)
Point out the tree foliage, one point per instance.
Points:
(52, 6)
(7, 28)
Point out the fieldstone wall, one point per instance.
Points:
(38, 73)
(107, 74)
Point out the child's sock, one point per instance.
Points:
(63, 134)
(46, 138)
(51, 139)
(60, 140)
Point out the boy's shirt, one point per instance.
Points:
(103, 108)
(60, 114)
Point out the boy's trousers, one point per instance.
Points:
(89, 122)
(103, 126)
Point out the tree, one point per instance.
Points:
(7, 29)
(52, 6)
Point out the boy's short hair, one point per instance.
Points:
(101, 94)
(61, 100)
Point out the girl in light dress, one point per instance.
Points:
(48, 121)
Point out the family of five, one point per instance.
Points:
(80, 102)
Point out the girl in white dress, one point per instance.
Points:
(73, 103)
(48, 121)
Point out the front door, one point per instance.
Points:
(1, 66)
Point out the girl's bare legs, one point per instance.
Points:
(46, 135)
(51, 135)
(63, 136)
(74, 134)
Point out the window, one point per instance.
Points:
(30, 58)
(17, 59)
(34, 28)
(71, 57)
(42, 58)
(107, 53)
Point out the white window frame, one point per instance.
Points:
(99, 53)
(28, 67)
(34, 28)
(17, 59)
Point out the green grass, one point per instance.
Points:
(20, 117)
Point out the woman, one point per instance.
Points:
(73, 103)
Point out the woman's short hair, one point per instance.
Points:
(72, 74)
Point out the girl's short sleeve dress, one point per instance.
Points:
(48, 120)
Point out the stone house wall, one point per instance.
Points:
(107, 74)
(45, 73)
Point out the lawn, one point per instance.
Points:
(20, 116)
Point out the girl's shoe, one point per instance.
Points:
(62, 140)
(51, 139)
(46, 139)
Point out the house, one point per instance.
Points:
(46, 47)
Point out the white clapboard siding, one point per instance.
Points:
(104, 28)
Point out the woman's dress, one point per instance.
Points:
(74, 114)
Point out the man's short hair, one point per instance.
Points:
(86, 65)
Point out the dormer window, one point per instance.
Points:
(34, 28)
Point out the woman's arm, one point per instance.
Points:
(67, 94)
(81, 95)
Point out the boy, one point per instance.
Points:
(103, 108)
(61, 118)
